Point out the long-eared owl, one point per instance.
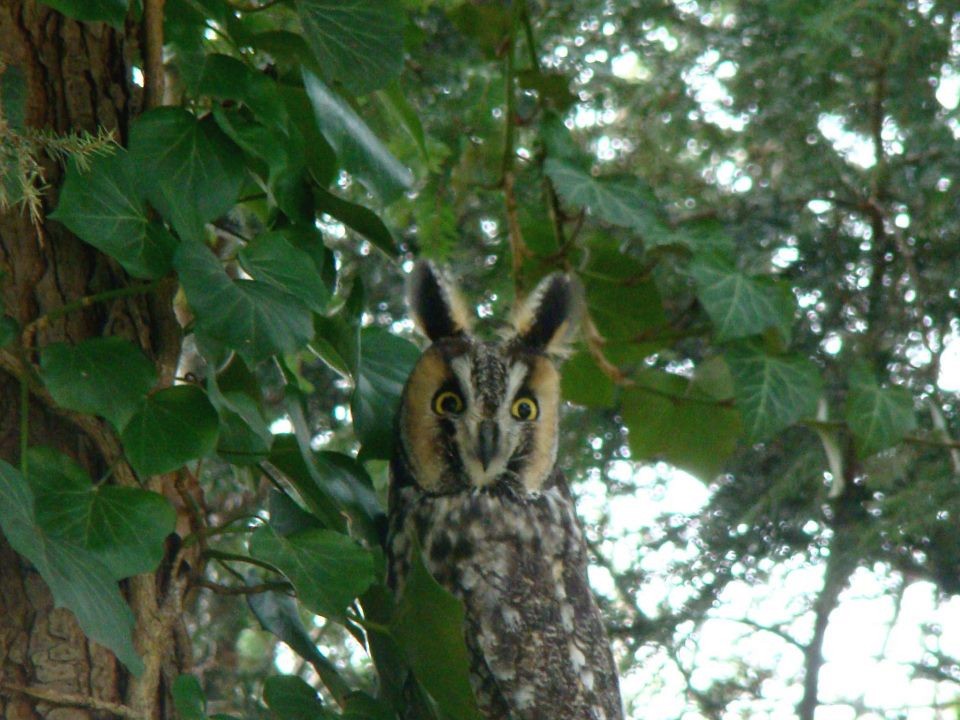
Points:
(474, 480)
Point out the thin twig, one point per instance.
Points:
(243, 589)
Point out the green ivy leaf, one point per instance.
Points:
(878, 417)
(428, 625)
(279, 615)
(78, 581)
(123, 527)
(188, 698)
(187, 168)
(739, 305)
(385, 363)
(256, 319)
(358, 42)
(110, 11)
(624, 201)
(584, 383)
(102, 376)
(335, 487)
(772, 391)
(328, 569)
(668, 418)
(357, 217)
(244, 437)
(359, 151)
(227, 78)
(173, 426)
(291, 698)
(102, 206)
(272, 258)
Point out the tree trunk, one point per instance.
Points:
(78, 78)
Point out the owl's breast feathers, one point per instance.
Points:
(518, 562)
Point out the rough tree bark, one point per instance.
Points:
(78, 77)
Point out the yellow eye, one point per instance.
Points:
(524, 408)
(447, 403)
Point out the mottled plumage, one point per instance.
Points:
(474, 480)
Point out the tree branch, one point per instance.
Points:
(71, 700)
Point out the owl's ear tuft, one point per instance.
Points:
(547, 319)
(435, 304)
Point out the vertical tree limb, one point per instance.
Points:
(153, 74)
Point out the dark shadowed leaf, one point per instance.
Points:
(291, 698)
(428, 625)
(359, 151)
(103, 207)
(76, 578)
(357, 42)
(256, 319)
(109, 11)
(385, 362)
(772, 391)
(227, 78)
(328, 569)
(278, 614)
(188, 698)
(123, 527)
(173, 426)
(103, 376)
(357, 217)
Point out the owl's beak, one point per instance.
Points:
(488, 441)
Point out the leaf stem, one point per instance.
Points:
(88, 301)
(24, 423)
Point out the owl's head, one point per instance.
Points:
(478, 413)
